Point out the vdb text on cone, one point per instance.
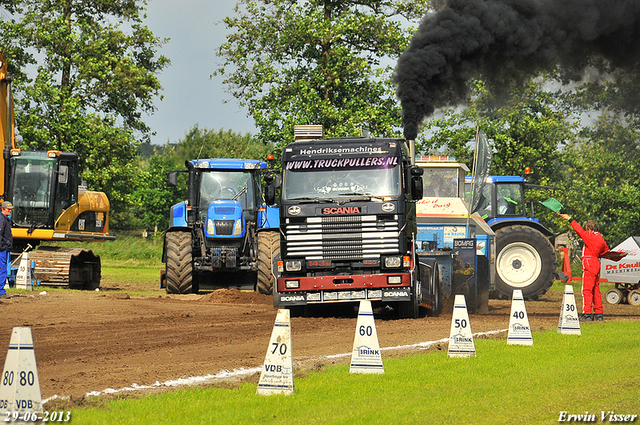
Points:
(277, 372)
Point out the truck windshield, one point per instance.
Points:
(334, 182)
(218, 185)
(31, 189)
(440, 182)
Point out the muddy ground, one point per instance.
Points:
(91, 341)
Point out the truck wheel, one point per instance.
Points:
(525, 260)
(179, 267)
(613, 296)
(268, 249)
(430, 285)
(634, 297)
(483, 282)
(411, 309)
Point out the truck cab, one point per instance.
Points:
(347, 222)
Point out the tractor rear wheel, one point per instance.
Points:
(525, 260)
(179, 266)
(268, 249)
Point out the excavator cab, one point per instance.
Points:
(41, 187)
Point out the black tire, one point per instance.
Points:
(410, 309)
(268, 249)
(525, 260)
(435, 277)
(179, 263)
(483, 279)
(430, 286)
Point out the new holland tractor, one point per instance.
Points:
(225, 233)
(525, 257)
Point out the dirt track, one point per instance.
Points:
(90, 341)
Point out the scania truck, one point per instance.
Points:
(348, 226)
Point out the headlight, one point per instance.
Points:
(294, 265)
(392, 262)
(394, 280)
(211, 229)
(237, 230)
(292, 284)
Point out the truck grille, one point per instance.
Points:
(342, 238)
(224, 227)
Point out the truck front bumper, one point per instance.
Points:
(303, 290)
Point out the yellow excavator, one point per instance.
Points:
(51, 204)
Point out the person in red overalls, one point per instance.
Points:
(594, 247)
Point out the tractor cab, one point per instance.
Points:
(502, 197)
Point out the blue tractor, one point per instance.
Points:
(226, 232)
(525, 257)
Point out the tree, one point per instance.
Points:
(525, 128)
(601, 176)
(95, 74)
(317, 62)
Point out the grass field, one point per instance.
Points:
(595, 372)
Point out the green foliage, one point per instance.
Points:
(95, 73)
(526, 127)
(601, 170)
(294, 63)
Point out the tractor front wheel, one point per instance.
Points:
(179, 265)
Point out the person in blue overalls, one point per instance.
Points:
(6, 243)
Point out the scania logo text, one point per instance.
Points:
(341, 210)
(292, 298)
(396, 294)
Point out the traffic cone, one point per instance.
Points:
(569, 323)
(20, 390)
(519, 329)
(460, 338)
(277, 372)
(365, 357)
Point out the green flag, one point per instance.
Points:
(553, 204)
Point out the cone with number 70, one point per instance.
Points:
(277, 371)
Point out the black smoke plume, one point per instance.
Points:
(501, 40)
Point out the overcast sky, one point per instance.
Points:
(190, 97)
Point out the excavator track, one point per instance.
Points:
(74, 268)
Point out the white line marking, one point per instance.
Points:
(225, 374)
